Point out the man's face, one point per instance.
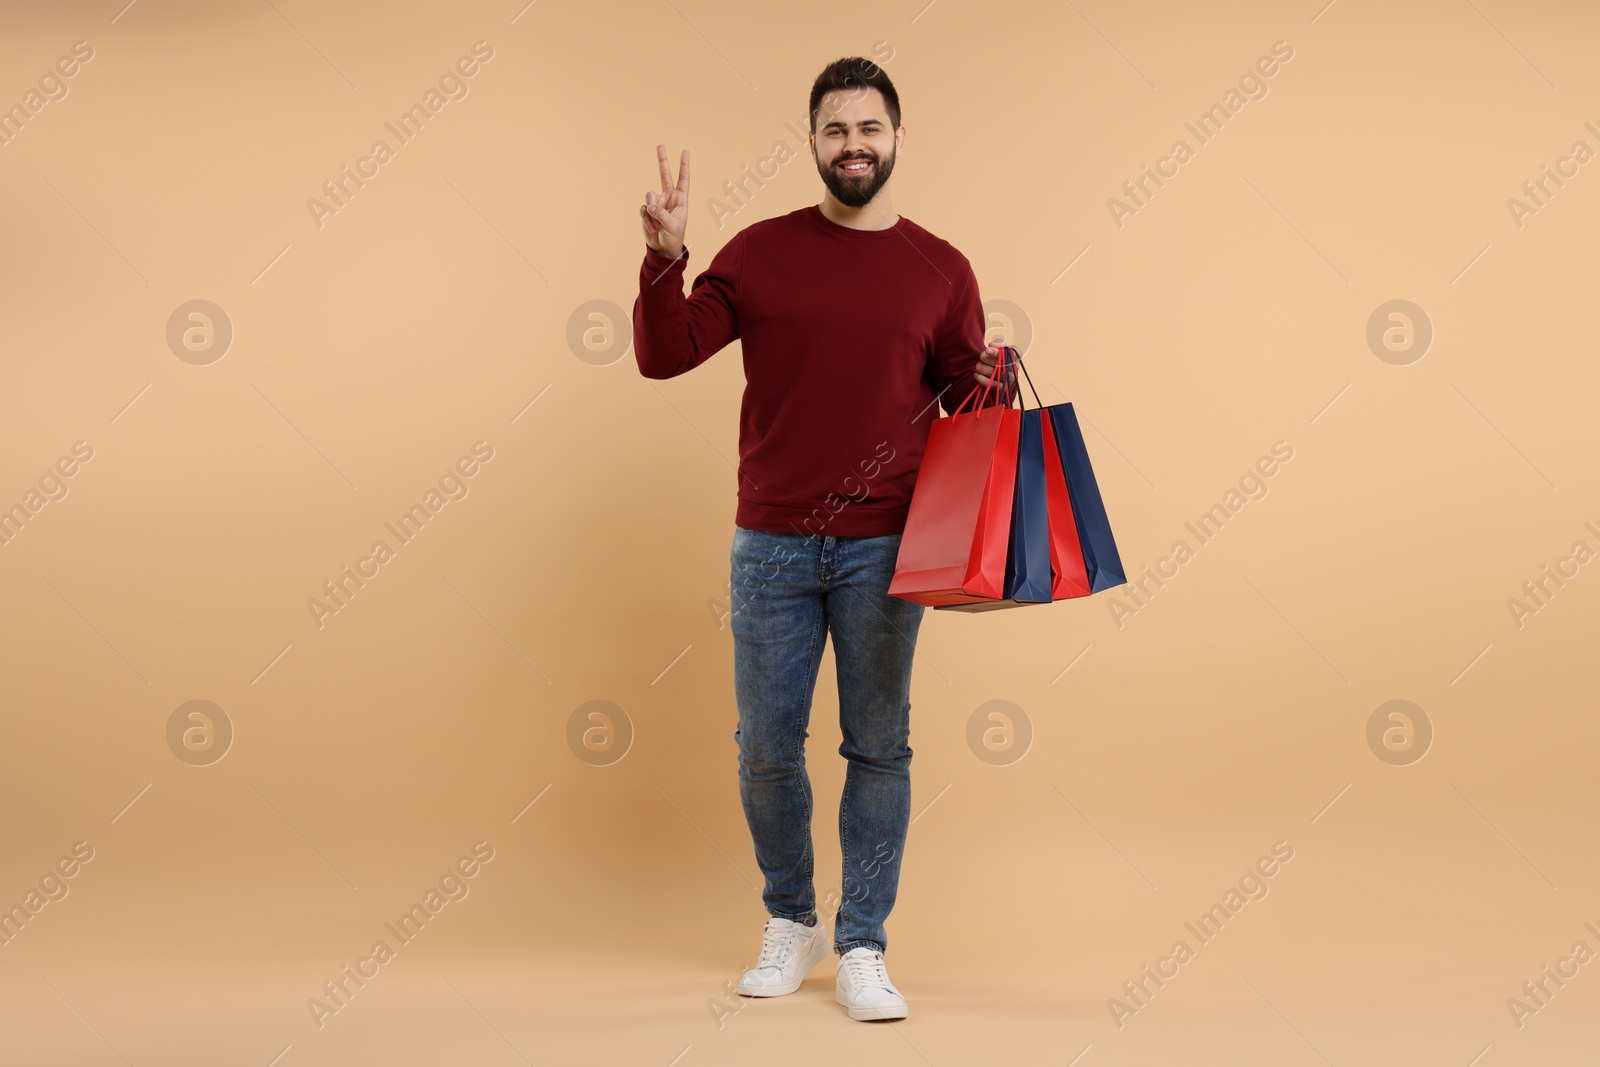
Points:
(852, 128)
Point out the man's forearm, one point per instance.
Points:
(673, 333)
(660, 328)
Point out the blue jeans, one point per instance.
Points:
(789, 592)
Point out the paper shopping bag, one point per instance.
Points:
(1069, 575)
(958, 528)
(1100, 558)
(1028, 577)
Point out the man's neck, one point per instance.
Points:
(877, 214)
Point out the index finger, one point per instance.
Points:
(666, 172)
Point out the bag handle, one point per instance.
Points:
(1007, 354)
(1031, 389)
(999, 374)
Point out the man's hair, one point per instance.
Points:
(854, 75)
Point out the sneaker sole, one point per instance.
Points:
(870, 1014)
(820, 948)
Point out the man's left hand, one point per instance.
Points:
(985, 369)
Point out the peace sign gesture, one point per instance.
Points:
(665, 215)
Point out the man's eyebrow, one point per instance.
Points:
(863, 122)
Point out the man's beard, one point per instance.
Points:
(856, 192)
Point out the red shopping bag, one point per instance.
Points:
(1044, 561)
(1028, 570)
(953, 549)
(1069, 576)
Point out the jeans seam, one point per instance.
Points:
(813, 665)
(844, 845)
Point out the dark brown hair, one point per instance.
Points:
(854, 75)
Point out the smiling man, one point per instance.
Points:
(855, 323)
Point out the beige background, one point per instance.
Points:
(588, 560)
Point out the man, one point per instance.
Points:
(854, 323)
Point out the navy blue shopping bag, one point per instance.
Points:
(1100, 557)
(1028, 556)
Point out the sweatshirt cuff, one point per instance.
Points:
(659, 263)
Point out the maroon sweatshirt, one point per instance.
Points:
(850, 337)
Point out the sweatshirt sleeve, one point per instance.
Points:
(673, 335)
(957, 345)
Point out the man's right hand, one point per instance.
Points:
(664, 216)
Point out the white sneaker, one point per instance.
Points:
(788, 952)
(863, 986)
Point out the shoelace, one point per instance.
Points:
(777, 943)
(865, 971)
